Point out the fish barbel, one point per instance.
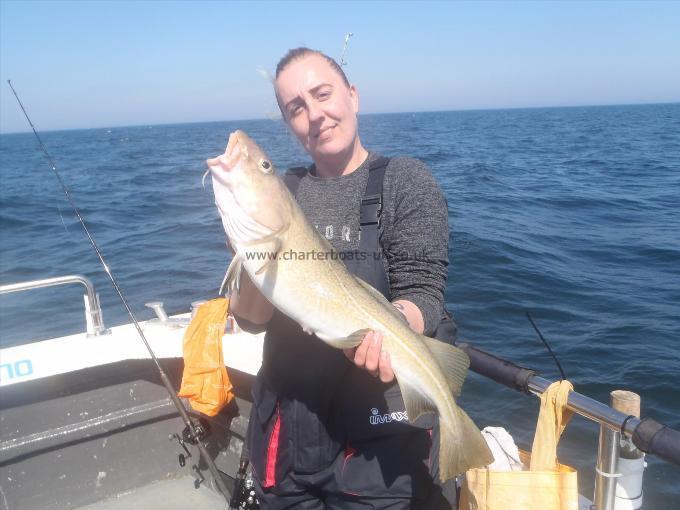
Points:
(264, 222)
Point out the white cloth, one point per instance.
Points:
(504, 449)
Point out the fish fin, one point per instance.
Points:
(415, 403)
(348, 342)
(461, 446)
(452, 360)
(379, 297)
(233, 276)
(205, 174)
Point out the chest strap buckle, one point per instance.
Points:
(371, 207)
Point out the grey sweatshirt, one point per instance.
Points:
(414, 229)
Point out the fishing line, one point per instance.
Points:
(545, 342)
(195, 431)
(62, 219)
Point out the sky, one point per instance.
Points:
(102, 64)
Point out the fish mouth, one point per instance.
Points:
(236, 146)
(241, 219)
(234, 151)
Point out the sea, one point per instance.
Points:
(570, 214)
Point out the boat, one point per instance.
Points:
(85, 419)
(86, 422)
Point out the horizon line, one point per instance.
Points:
(278, 118)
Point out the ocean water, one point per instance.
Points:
(572, 214)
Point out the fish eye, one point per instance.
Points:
(266, 166)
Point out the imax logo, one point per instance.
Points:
(377, 419)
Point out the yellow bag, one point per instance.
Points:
(548, 485)
(205, 381)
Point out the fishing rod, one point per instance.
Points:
(547, 346)
(344, 48)
(647, 434)
(194, 432)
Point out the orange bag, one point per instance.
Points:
(548, 485)
(205, 381)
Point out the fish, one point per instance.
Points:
(264, 223)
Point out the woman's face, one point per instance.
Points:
(318, 107)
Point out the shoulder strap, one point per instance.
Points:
(371, 203)
(292, 178)
(372, 269)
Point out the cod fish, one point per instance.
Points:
(263, 223)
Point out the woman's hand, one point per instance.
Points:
(370, 356)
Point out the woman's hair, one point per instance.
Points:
(298, 53)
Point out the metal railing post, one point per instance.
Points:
(606, 471)
(93, 312)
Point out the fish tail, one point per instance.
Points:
(461, 446)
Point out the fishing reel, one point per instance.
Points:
(244, 497)
(201, 430)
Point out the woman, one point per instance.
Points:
(327, 430)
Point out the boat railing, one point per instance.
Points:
(648, 435)
(93, 312)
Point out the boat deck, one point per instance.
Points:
(173, 494)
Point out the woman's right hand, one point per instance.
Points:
(370, 356)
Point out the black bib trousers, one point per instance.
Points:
(324, 434)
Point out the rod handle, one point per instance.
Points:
(653, 437)
(495, 368)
